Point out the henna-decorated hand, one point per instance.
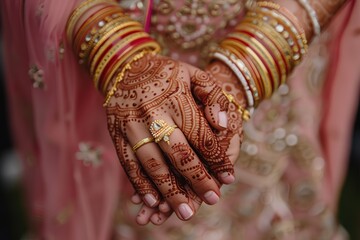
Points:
(229, 138)
(159, 88)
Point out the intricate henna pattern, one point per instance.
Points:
(159, 88)
(183, 158)
(229, 83)
(134, 170)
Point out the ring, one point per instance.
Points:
(160, 130)
(142, 142)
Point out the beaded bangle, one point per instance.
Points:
(273, 55)
(284, 28)
(96, 21)
(266, 57)
(79, 11)
(279, 40)
(107, 45)
(95, 36)
(312, 15)
(117, 30)
(264, 75)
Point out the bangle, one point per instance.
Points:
(223, 58)
(78, 12)
(312, 15)
(271, 48)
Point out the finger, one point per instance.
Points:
(136, 174)
(157, 169)
(199, 134)
(211, 96)
(159, 218)
(144, 215)
(164, 207)
(184, 160)
(136, 199)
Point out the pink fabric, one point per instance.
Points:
(70, 198)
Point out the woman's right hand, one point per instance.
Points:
(158, 88)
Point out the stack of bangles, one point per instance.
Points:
(263, 50)
(108, 42)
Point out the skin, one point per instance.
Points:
(194, 161)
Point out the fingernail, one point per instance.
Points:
(227, 177)
(185, 211)
(150, 199)
(223, 119)
(211, 197)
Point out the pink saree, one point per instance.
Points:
(289, 174)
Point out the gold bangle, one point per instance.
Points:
(253, 69)
(108, 34)
(110, 41)
(78, 11)
(265, 77)
(88, 33)
(86, 47)
(277, 37)
(269, 60)
(271, 44)
(104, 61)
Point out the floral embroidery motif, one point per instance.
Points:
(89, 155)
(36, 75)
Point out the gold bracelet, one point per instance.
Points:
(245, 114)
(265, 77)
(86, 47)
(110, 41)
(104, 38)
(104, 61)
(269, 61)
(77, 13)
(275, 50)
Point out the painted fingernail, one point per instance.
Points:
(227, 177)
(223, 119)
(185, 211)
(150, 199)
(211, 197)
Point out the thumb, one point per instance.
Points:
(211, 97)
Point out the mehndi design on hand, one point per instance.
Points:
(159, 88)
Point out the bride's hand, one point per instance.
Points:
(229, 138)
(156, 92)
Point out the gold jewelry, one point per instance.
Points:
(141, 143)
(245, 114)
(78, 12)
(160, 130)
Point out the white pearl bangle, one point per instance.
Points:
(250, 98)
(312, 14)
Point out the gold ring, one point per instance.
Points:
(160, 130)
(142, 142)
